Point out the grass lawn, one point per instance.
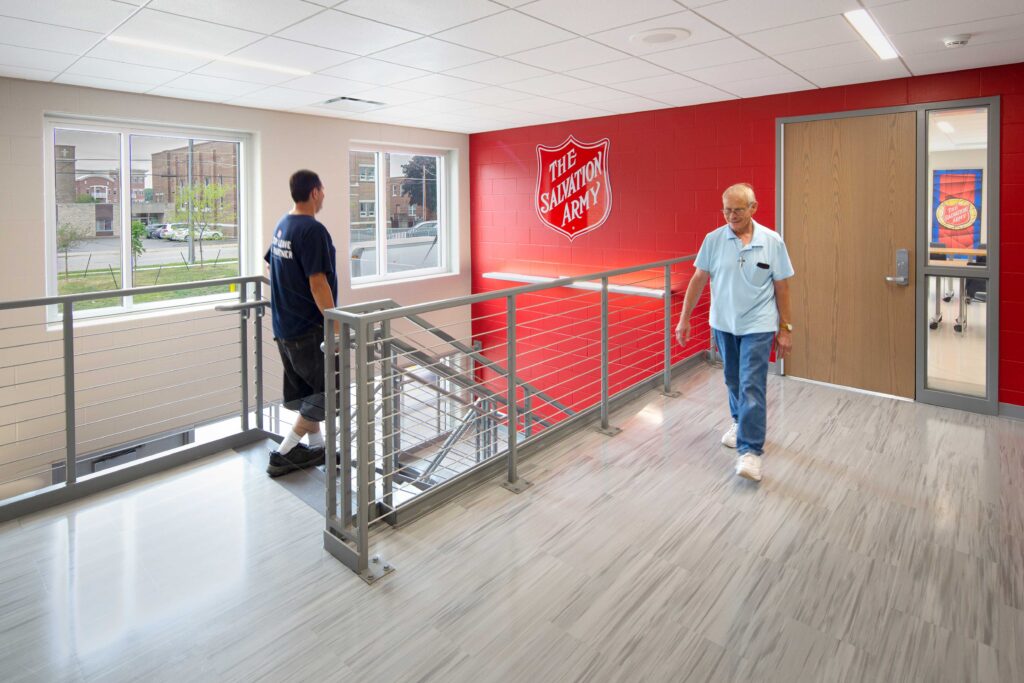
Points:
(102, 280)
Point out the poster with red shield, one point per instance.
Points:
(574, 194)
(956, 208)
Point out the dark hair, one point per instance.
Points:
(302, 183)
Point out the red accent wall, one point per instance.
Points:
(668, 169)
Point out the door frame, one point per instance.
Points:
(990, 403)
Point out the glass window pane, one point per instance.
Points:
(362, 213)
(957, 332)
(957, 184)
(87, 178)
(185, 227)
(413, 226)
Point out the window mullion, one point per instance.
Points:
(381, 160)
(125, 207)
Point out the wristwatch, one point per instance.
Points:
(788, 327)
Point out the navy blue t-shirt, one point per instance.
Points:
(300, 247)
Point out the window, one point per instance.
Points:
(99, 243)
(366, 174)
(382, 245)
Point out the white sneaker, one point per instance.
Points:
(748, 466)
(729, 438)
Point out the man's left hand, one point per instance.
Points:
(783, 343)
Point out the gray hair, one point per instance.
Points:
(745, 190)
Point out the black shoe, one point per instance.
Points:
(298, 458)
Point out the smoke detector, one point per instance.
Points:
(958, 40)
(659, 36)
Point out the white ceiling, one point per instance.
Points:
(476, 65)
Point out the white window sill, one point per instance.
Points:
(374, 281)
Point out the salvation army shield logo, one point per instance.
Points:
(574, 194)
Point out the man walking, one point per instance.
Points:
(303, 284)
(748, 267)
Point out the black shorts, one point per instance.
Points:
(304, 374)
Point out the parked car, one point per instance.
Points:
(165, 231)
(153, 230)
(178, 232)
(424, 229)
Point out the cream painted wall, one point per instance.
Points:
(115, 374)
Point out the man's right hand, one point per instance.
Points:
(683, 332)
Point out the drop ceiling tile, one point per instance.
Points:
(34, 59)
(211, 84)
(548, 85)
(803, 36)
(701, 31)
(291, 54)
(87, 15)
(327, 85)
(688, 96)
(102, 83)
(182, 32)
(629, 104)
(276, 98)
(374, 71)
(348, 107)
(391, 96)
(445, 105)
(983, 31)
(694, 4)
(504, 33)
(738, 71)
(916, 15)
(264, 16)
(571, 54)
(589, 96)
(491, 113)
(346, 33)
(767, 85)
(497, 71)
(493, 95)
(27, 73)
(746, 16)
(536, 105)
(23, 33)
(422, 17)
(820, 57)
(240, 72)
(651, 87)
(439, 84)
(571, 112)
(591, 16)
(700, 56)
(610, 73)
(160, 59)
(862, 72)
(970, 57)
(187, 94)
(432, 54)
(102, 68)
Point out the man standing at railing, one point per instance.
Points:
(303, 284)
(748, 267)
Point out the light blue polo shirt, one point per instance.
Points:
(743, 277)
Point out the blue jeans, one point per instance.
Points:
(745, 361)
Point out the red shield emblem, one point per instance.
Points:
(574, 194)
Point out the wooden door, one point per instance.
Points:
(849, 205)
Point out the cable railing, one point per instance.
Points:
(536, 362)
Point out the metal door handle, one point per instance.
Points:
(902, 276)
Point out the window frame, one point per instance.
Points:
(247, 239)
(445, 224)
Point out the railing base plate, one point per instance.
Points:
(609, 431)
(377, 569)
(671, 394)
(517, 486)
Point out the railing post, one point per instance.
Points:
(331, 417)
(666, 389)
(387, 425)
(527, 412)
(345, 422)
(513, 483)
(258, 353)
(605, 428)
(243, 324)
(70, 459)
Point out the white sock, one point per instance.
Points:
(289, 442)
(316, 439)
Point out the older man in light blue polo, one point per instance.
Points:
(748, 267)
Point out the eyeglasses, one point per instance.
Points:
(728, 211)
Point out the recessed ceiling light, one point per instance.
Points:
(659, 36)
(946, 127)
(153, 45)
(871, 33)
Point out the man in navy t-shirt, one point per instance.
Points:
(303, 284)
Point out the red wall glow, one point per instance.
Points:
(670, 166)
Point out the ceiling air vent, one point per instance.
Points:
(352, 104)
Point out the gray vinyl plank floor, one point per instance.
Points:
(886, 543)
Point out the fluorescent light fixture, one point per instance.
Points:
(871, 33)
(153, 45)
(946, 127)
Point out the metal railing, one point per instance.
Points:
(98, 388)
(517, 367)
